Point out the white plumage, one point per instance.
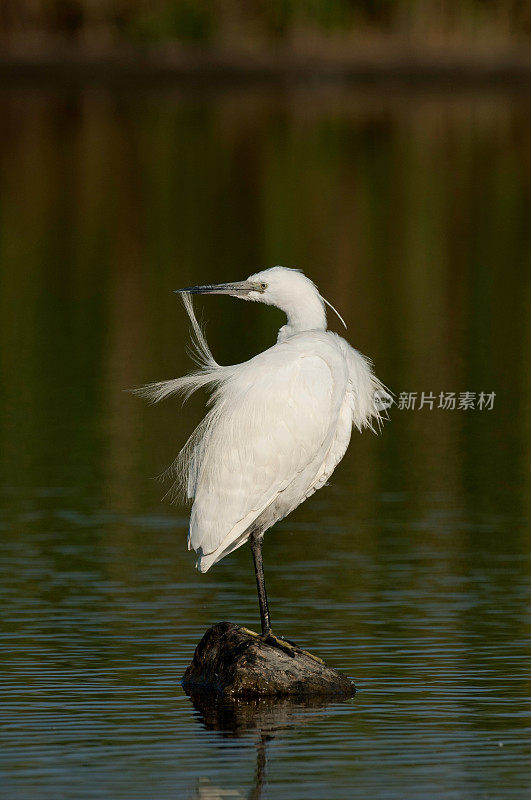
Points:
(278, 424)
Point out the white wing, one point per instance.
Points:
(272, 419)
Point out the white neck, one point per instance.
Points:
(306, 313)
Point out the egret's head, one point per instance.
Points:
(287, 289)
(268, 286)
(279, 286)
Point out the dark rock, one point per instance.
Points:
(235, 662)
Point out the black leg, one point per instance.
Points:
(256, 547)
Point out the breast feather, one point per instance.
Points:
(271, 423)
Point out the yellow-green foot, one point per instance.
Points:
(281, 644)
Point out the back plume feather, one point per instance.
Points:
(209, 371)
(185, 469)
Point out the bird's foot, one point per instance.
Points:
(290, 648)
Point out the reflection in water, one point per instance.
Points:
(260, 772)
(410, 572)
(206, 790)
(265, 717)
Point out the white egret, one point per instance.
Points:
(278, 424)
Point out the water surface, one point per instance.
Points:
(410, 571)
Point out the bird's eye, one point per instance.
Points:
(263, 286)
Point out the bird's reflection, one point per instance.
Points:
(206, 790)
(265, 717)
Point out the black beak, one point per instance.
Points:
(237, 289)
